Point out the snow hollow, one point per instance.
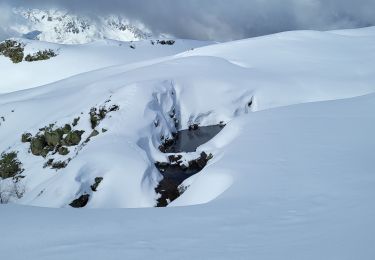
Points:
(279, 162)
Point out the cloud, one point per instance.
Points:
(6, 18)
(224, 19)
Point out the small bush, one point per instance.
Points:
(13, 50)
(10, 166)
(40, 55)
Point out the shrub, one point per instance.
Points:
(40, 55)
(13, 50)
(10, 166)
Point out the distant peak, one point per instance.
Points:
(60, 26)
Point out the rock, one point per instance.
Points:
(59, 165)
(75, 121)
(173, 159)
(53, 137)
(98, 180)
(161, 165)
(104, 130)
(193, 127)
(66, 129)
(184, 167)
(166, 42)
(93, 133)
(26, 138)
(94, 118)
(168, 190)
(73, 138)
(102, 113)
(48, 163)
(80, 202)
(63, 150)
(113, 108)
(37, 145)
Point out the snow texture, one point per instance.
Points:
(292, 175)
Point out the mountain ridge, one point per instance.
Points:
(61, 26)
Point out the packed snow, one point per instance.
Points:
(292, 172)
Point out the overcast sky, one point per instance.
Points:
(223, 19)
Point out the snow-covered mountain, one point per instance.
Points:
(290, 174)
(59, 26)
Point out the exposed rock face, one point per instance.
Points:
(53, 138)
(63, 150)
(75, 121)
(26, 138)
(73, 138)
(97, 115)
(93, 133)
(59, 165)
(165, 42)
(37, 146)
(80, 202)
(98, 180)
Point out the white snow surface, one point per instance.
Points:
(75, 59)
(292, 175)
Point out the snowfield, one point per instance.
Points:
(292, 174)
(75, 59)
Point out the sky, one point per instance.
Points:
(220, 19)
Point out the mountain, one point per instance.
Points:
(59, 26)
(288, 172)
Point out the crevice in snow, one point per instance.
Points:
(172, 151)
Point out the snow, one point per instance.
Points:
(62, 26)
(76, 59)
(292, 174)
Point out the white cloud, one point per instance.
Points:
(223, 19)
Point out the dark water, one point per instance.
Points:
(175, 174)
(178, 175)
(190, 140)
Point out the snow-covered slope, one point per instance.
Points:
(302, 189)
(59, 26)
(292, 173)
(76, 59)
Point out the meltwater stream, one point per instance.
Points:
(174, 172)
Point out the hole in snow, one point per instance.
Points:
(178, 169)
(190, 139)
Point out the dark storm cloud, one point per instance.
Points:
(225, 19)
